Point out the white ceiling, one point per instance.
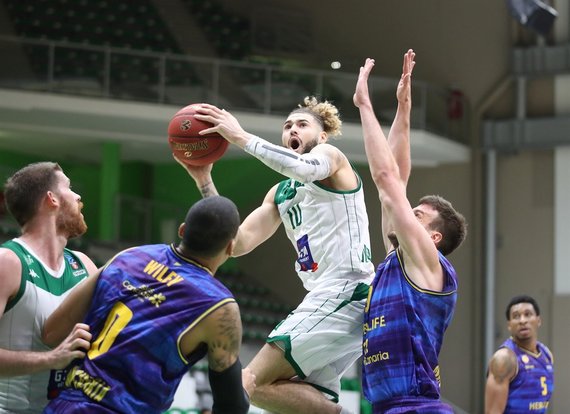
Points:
(72, 128)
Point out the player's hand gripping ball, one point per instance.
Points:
(188, 145)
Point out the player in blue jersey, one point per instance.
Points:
(154, 311)
(37, 271)
(412, 298)
(520, 377)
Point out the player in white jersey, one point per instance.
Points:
(322, 208)
(36, 273)
(329, 229)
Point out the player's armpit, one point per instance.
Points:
(223, 337)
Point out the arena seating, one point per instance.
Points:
(117, 24)
(229, 33)
(260, 310)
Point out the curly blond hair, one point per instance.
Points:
(324, 112)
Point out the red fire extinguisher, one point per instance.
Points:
(455, 104)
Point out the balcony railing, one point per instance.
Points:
(165, 78)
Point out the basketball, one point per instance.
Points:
(188, 145)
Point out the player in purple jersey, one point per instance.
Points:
(154, 311)
(520, 378)
(412, 297)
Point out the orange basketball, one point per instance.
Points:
(186, 142)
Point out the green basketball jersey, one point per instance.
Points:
(41, 291)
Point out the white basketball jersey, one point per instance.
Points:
(41, 291)
(329, 230)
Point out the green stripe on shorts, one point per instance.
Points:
(360, 293)
(286, 341)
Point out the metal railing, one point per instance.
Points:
(166, 78)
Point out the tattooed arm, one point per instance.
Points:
(230, 391)
(224, 337)
(221, 332)
(502, 369)
(202, 175)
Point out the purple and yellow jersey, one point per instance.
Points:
(403, 333)
(145, 300)
(531, 389)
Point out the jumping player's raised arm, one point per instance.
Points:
(399, 134)
(312, 164)
(417, 245)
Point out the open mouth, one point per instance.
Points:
(294, 143)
